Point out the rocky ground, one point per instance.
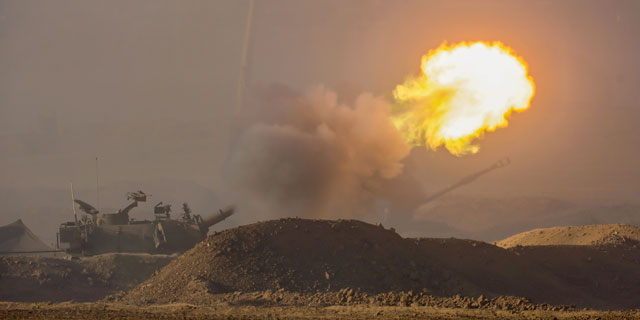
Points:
(321, 256)
(351, 297)
(98, 311)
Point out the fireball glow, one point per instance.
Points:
(463, 91)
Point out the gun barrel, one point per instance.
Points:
(468, 179)
(218, 217)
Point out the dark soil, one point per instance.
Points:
(314, 260)
(31, 279)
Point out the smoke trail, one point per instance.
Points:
(308, 155)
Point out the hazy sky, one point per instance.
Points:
(149, 86)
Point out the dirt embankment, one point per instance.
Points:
(295, 255)
(593, 235)
(298, 262)
(317, 257)
(29, 278)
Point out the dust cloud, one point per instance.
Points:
(310, 155)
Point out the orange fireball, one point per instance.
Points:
(463, 91)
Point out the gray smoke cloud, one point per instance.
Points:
(310, 155)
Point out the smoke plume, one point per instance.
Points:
(309, 155)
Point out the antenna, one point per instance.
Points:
(73, 204)
(97, 186)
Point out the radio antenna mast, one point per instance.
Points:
(243, 61)
(97, 186)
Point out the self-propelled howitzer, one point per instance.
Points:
(98, 232)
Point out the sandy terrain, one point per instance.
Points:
(603, 234)
(225, 311)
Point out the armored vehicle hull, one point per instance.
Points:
(98, 233)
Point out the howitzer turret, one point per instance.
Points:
(99, 232)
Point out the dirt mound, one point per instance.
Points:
(607, 234)
(296, 255)
(606, 276)
(314, 257)
(40, 278)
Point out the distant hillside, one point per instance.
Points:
(493, 219)
(575, 236)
